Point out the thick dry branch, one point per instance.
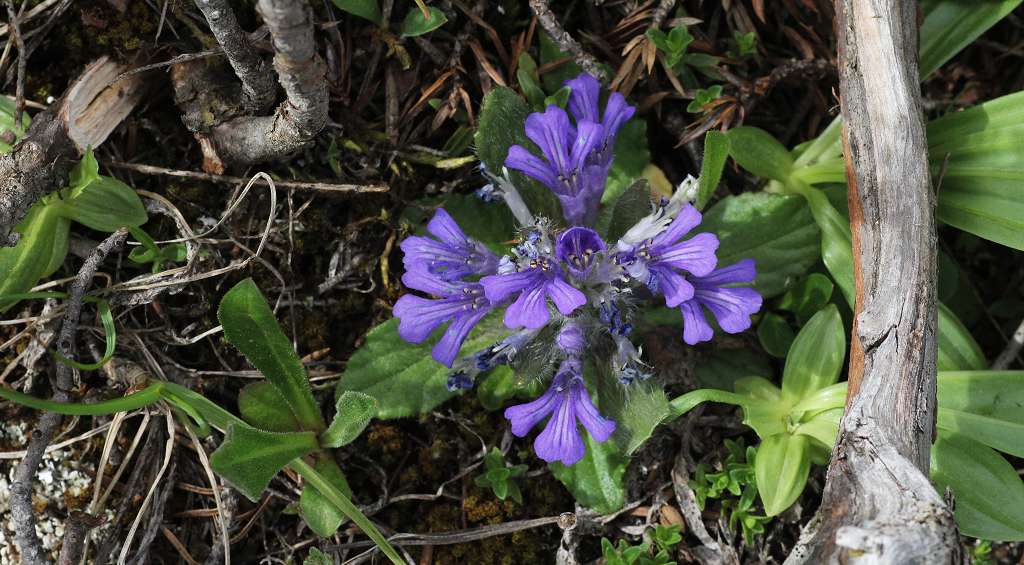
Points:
(92, 107)
(301, 73)
(257, 81)
(879, 505)
(549, 21)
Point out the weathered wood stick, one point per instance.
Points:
(879, 505)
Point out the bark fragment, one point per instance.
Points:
(89, 111)
(879, 505)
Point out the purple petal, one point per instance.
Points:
(588, 137)
(695, 326)
(583, 99)
(443, 226)
(425, 281)
(499, 287)
(447, 348)
(560, 440)
(739, 272)
(530, 310)
(424, 250)
(577, 247)
(600, 428)
(696, 255)
(673, 285)
(553, 134)
(687, 219)
(418, 317)
(566, 297)
(616, 113)
(732, 307)
(521, 160)
(524, 417)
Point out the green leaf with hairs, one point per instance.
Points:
(250, 325)
(597, 480)
(403, 376)
(776, 231)
(249, 458)
(322, 516)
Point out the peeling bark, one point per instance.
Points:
(301, 73)
(258, 86)
(879, 505)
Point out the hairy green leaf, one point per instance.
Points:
(249, 325)
(625, 211)
(716, 150)
(402, 376)
(353, 412)
(776, 231)
(502, 116)
(263, 407)
(596, 481)
(7, 123)
(249, 458)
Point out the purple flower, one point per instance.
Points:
(577, 247)
(731, 306)
(569, 405)
(583, 104)
(541, 280)
(659, 262)
(464, 306)
(576, 158)
(429, 263)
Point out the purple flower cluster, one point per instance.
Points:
(568, 294)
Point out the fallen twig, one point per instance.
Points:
(1011, 351)
(22, 513)
(227, 179)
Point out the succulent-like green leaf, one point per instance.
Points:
(782, 466)
(816, 356)
(989, 493)
(415, 23)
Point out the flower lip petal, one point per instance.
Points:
(520, 159)
(524, 417)
(584, 97)
(553, 134)
(560, 440)
(566, 297)
(447, 348)
(530, 310)
(600, 428)
(444, 227)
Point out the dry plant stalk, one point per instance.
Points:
(879, 505)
